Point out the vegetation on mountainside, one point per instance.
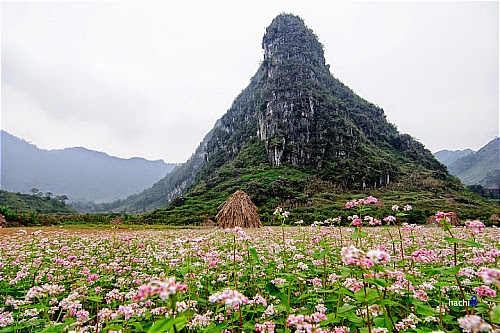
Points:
(310, 197)
(35, 203)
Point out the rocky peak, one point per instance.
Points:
(288, 39)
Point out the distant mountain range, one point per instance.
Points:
(83, 175)
(447, 157)
(474, 168)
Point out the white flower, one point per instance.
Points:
(473, 323)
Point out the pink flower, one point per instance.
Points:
(164, 289)
(44, 291)
(424, 255)
(389, 219)
(378, 257)
(441, 215)
(307, 323)
(6, 319)
(265, 327)
(370, 200)
(352, 284)
(316, 282)
(420, 295)
(485, 291)
(350, 254)
(476, 224)
(372, 221)
(407, 208)
(366, 263)
(350, 204)
(82, 315)
(361, 201)
(92, 277)
(489, 275)
(231, 298)
(258, 299)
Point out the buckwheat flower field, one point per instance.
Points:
(319, 278)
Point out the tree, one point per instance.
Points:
(48, 195)
(62, 198)
(34, 190)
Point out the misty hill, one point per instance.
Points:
(296, 136)
(79, 173)
(479, 168)
(447, 157)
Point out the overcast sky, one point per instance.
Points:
(150, 79)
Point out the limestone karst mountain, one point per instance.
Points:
(296, 135)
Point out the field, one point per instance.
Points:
(319, 278)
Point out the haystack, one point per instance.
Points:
(116, 220)
(238, 211)
(208, 223)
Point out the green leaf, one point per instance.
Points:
(357, 234)
(495, 316)
(138, 326)
(353, 318)
(444, 284)
(345, 272)
(465, 241)
(380, 282)
(345, 308)
(451, 271)
(423, 330)
(55, 329)
(94, 298)
(114, 327)
(216, 329)
(255, 256)
(388, 302)
(167, 325)
(184, 270)
(281, 307)
(379, 321)
(370, 295)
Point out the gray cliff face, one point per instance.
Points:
(295, 105)
(286, 118)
